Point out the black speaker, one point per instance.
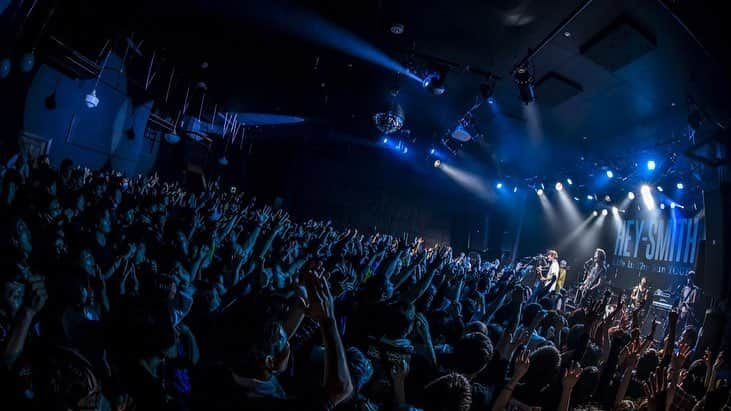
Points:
(709, 265)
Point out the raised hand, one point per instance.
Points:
(399, 370)
(522, 363)
(571, 376)
(656, 390)
(262, 216)
(36, 295)
(321, 302)
(679, 357)
(507, 344)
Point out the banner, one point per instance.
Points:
(661, 247)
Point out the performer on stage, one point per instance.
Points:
(688, 296)
(550, 272)
(596, 277)
(562, 269)
(640, 292)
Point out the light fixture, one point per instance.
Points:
(172, 138)
(631, 195)
(576, 198)
(610, 174)
(559, 186)
(499, 185)
(437, 163)
(27, 61)
(647, 197)
(91, 99)
(539, 191)
(615, 211)
(595, 213)
(397, 29)
(385, 140)
(390, 121)
(524, 80)
(466, 129)
(607, 198)
(568, 180)
(659, 188)
(673, 205)
(662, 206)
(434, 81)
(405, 150)
(487, 88)
(680, 186)
(515, 189)
(567, 34)
(651, 165)
(590, 197)
(432, 151)
(604, 211)
(5, 66)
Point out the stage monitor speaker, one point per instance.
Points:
(709, 265)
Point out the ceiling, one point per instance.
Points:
(259, 61)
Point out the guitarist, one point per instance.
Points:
(596, 276)
(688, 296)
(549, 273)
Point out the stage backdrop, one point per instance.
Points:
(662, 246)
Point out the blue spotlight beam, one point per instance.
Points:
(317, 30)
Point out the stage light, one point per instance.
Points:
(615, 211)
(651, 165)
(391, 120)
(662, 206)
(577, 198)
(680, 186)
(91, 99)
(673, 205)
(607, 198)
(659, 188)
(490, 100)
(524, 80)
(631, 195)
(647, 197)
(595, 213)
(515, 189)
(539, 191)
(406, 150)
(437, 163)
(385, 140)
(568, 180)
(499, 185)
(590, 197)
(487, 88)
(432, 151)
(610, 174)
(604, 211)
(172, 138)
(434, 82)
(559, 186)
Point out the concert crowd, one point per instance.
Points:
(133, 294)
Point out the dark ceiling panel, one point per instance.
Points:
(556, 89)
(619, 44)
